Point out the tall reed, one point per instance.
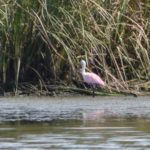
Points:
(45, 42)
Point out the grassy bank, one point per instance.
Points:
(42, 43)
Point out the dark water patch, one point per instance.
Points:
(65, 134)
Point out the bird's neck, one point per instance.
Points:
(83, 70)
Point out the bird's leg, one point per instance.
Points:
(93, 93)
(93, 87)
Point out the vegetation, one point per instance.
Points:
(42, 43)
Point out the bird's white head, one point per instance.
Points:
(83, 65)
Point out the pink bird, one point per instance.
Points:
(91, 78)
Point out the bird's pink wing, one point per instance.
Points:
(92, 78)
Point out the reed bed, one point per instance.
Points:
(42, 43)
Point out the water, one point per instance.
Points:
(108, 123)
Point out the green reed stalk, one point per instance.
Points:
(51, 37)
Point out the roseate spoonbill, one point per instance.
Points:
(91, 78)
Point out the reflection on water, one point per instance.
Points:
(84, 123)
(74, 134)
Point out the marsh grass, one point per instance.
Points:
(45, 41)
